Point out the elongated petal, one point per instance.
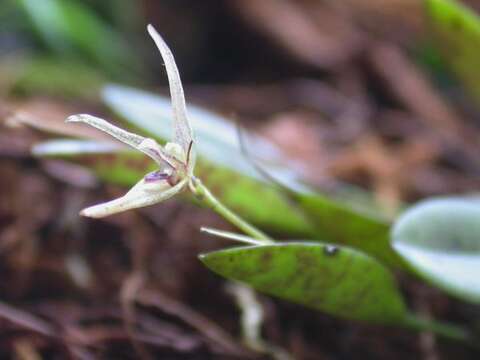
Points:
(183, 134)
(142, 194)
(148, 146)
(124, 136)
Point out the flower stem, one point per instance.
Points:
(206, 197)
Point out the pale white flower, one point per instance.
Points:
(176, 160)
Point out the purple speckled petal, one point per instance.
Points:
(157, 175)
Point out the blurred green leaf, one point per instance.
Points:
(440, 239)
(217, 138)
(71, 28)
(111, 162)
(55, 77)
(222, 166)
(335, 221)
(337, 280)
(298, 211)
(456, 31)
(239, 185)
(343, 223)
(125, 167)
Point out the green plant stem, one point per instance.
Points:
(445, 330)
(206, 197)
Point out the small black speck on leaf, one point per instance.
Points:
(330, 249)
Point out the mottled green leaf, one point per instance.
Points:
(337, 280)
(456, 31)
(440, 239)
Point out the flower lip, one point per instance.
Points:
(169, 175)
(141, 195)
(157, 175)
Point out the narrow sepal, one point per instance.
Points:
(183, 134)
(146, 145)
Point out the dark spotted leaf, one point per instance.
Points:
(343, 222)
(440, 239)
(335, 279)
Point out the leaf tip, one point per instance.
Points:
(204, 258)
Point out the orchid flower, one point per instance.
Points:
(176, 160)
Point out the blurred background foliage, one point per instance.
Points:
(78, 45)
(382, 94)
